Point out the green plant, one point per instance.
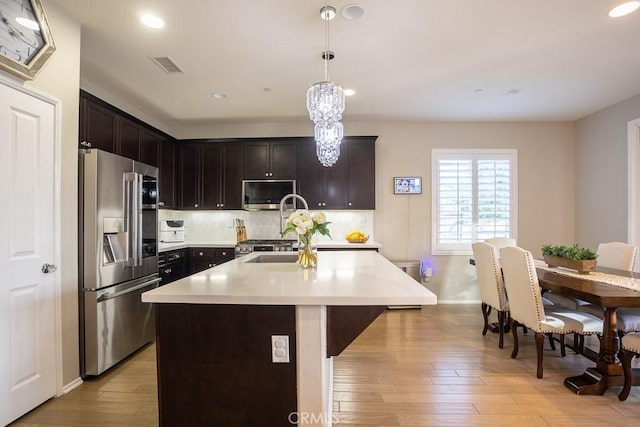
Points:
(571, 252)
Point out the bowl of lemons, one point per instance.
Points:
(356, 237)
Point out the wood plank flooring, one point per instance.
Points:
(429, 367)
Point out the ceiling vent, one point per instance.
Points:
(167, 64)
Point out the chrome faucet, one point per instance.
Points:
(284, 199)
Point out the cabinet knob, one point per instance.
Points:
(211, 265)
(319, 204)
(200, 254)
(224, 253)
(266, 174)
(222, 205)
(195, 206)
(324, 204)
(160, 203)
(350, 203)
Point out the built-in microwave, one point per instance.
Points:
(264, 194)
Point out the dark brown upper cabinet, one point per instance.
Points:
(107, 128)
(211, 175)
(97, 126)
(362, 173)
(348, 184)
(270, 159)
(128, 141)
(168, 170)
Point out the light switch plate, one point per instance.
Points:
(280, 348)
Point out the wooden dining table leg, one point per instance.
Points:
(608, 371)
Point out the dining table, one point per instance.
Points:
(610, 289)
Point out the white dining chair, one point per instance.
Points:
(630, 348)
(501, 242)
(526, 308)
(620, 256)
(491, 286)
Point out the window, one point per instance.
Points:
(474, 198)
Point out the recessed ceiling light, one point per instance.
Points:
(28, 23)
(624, 9)
(349, 92)
(152, 21)
(512, 91)
(353, 12)
(218, 95)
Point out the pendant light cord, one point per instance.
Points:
(326, 41)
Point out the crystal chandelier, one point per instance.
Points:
(325, 103)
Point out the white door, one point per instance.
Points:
(27, 295)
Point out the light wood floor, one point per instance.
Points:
(429, 367)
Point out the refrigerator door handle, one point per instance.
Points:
(138, 218)
(105, 297)
(133, 217)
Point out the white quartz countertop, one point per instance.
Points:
(331, 244)
(341, 278)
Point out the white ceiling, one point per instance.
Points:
(407, 59)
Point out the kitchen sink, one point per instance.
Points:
(273, 258)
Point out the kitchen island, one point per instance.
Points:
(251, 341)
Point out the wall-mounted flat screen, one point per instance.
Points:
(407, 185)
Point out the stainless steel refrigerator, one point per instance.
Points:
(118, 257)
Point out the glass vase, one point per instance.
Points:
(307, 251)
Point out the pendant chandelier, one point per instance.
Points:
(325, 103)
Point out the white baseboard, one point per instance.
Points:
(72, 385)
(455, 301)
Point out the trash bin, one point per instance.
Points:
(413, 269)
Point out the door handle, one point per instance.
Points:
(48, 268)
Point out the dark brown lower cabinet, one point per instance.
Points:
(215, 369)
(214, 361)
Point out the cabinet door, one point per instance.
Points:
(210, 176)
(128, 139)
(149, 148)
(232, 170)
(283, 160)
(310, 175)
(334, 190)
(189, 175)
(100, 127)
(168, 173)
(362, 188)
(256, 160)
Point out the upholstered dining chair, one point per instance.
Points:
(501, 242)
(525, 305)
(620, 256)
(491, 285)
(630, 348)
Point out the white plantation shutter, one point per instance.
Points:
(474, 198)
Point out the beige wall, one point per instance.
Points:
(601, 173)
(60, 78)
(402, 223)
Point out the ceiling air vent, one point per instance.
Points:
(167, 64)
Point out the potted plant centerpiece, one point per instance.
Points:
(306, 225)
(573, 257)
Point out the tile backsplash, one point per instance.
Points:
(205, 226)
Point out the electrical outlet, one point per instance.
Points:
(280, 348)
(426, 274)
